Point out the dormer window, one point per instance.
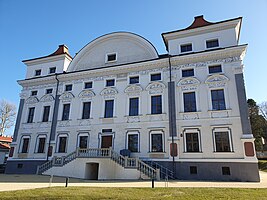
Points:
(112, 57)
(186, 48)
(212, 43)
(52, 70)
(37, 72)
(34, 93)
(110, 82)
(68, 87)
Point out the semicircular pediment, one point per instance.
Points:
(129, 48)
(66, 96)
(47, 97)
(188, 81)
(155, 87)
(86, 94)
(216, 78)
(133, 89)
(108, 91)
(32, 100)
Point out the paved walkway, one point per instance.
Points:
(19, 182)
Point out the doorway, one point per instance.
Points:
(106, 141)
(91, 171)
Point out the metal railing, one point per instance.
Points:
(164, 171)
(125, 162)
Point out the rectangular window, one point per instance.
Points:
(88, 85)
(187, 72)
(62, 144)
(222, 141)
(68, 87)
(106, 130)
(192, 144)
(83, 142)
(226, 171)
(30, 115)
(66, 112)
(134, 79)
(41, 145)
(133, 106)
(217, 98)
(25, 145)
(109, 106)
(52, 70)
(111, 57)
(37, 72)
(133, 142)
(34, 93)
(46, 113)
(110, 82)
(215, 69)
(186, 48)
(86, 110)
(156, 104)
(49, 91)
(193, 170)
(212, 43)
(155, 77)
(190, 102)
(156, 142)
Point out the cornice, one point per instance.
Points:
(47, 59)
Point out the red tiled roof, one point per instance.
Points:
(5, 139)
(4, 146)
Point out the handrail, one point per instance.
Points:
(100, 153)
(164, 171)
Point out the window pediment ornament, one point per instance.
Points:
(66, 96)
(47, 97)
(32, 100)
(133, 89)
(188, 83)
(216, 81)
(109, 92)
(155, 87)
(86, 94)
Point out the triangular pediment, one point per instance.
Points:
(188, 81)
(47, 97)
(32, 100)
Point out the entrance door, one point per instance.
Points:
(91, 171)
(106, 141)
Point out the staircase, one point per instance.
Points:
(165, 173)
(125, 162)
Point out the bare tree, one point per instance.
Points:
(7, 115)
(263, 109)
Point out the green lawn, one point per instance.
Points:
(263, 165)
(135, 193)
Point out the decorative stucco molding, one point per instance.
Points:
(109, 92)
(216, 80)
(47, 98)
(134, 89)
(189, 83)
(66, 96)
(86, 94)
(32, 100)
(155, 87)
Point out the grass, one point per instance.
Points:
(263, 165)
(135, 193)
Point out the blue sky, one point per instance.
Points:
(34, 28)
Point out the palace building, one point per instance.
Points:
(119, 110)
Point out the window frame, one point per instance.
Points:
(152, 104)
(132, 77)
(211, 40)
(88, 82)
(105, 108)
(215, 65)
(186, 44)
(62, 117)
(34, 93)
(138, 106)
(83, 134)
(51, 69)
(153, 132)
(49, 89)
(83, 111)
(185, 76)
(58, 142)
(188, 131)
(133, 132)
(48, 115)
(38, 72)
(66, 87)
(110, 54)
(30, 115)
(40, 136)
(21, 150)
(111, 79)
(184, 104)
(154, 74)
(230, 139)
(217, 100)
